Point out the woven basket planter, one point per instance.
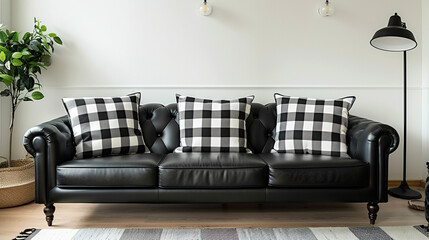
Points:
(17, 183)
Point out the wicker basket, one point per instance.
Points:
(17, 183)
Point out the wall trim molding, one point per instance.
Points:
(142, 86)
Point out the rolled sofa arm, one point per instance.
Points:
(50, 143)
(361, 130)
(372, 142)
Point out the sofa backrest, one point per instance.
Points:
(260, 126)
(161, 132)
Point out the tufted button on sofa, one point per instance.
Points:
(164, 176)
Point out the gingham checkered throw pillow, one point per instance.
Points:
(105, 126)
(307, 125)
(213, 126)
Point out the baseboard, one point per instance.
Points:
(411, 183)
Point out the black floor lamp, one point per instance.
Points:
(397, 38)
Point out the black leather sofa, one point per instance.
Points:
(163, 176)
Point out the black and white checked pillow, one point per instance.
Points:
(213, 125)
(307, 125)
(105, 126)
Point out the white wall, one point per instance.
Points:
(4, 102)
(245, 47)
(425, 84)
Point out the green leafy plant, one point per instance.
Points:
(21, 62)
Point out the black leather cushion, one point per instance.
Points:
(139, 170)
(303, 170)
(212, 170)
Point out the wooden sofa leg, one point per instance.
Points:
(49, 212)
(372, 211)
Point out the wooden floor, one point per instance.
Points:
(395, 212)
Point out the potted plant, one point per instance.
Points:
(21, 62)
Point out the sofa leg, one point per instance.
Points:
(372, 211)
(49, 212)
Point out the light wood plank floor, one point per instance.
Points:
(395, 212)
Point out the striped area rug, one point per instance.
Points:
(325, 233)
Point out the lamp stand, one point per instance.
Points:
(404, 191)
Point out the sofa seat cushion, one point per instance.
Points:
(212, 170)
(139, 171)
(318, 171)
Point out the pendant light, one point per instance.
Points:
(205, 9)
(326, 9)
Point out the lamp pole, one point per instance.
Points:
(404, 191)
(404, 168)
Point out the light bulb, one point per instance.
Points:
(326, 9)
(205, 9)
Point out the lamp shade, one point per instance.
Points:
(395, 37)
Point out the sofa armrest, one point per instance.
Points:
(50, 143)
(361, 131)
(372, 142)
